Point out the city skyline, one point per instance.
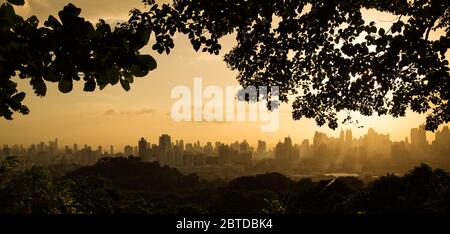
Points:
(374, 153)
(415, 132)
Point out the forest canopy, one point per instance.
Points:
(324, 55)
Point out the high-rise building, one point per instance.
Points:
(143, 147)
(41, 147)
(443, 136)
(320, 138)
(285, 153)
(244, 147)
(189, 148)
(262, 147)
(128, 150)
(418, 136)
(342, 136)
(227, 155)
(235, 146)
(376, 145)
(165, 142)
(348, 137)
(208, 150)
(181, 145)
(67, 150)
(111, 149)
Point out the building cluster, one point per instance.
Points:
(371, 152)
(374, 151)
(190, 155)
(49, 153)
(286, 154)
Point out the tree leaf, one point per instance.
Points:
(8, 14)
(148, 61)
(125, 85)
(113, 76)
(40, 89)
(65, 85)
(52, 22)
(19, 97)
(89, 86)
(138, 72)
(17, 2)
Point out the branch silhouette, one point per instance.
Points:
(322, 54)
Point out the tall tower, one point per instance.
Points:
(262, 147)
(418, 136)
(142, 147)
(181, 145)
(288, 141)
(165, 142)
(348, 136)
(342, 136)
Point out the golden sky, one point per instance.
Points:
(115, 117)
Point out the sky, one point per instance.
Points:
(116, 117)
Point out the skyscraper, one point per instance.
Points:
(143, 147)
(128, 150)
(165, 142)
(443, 136)
(348, 136)
(285, 153)
(262, 147)
(418, 136)
(181, 145)
(244, 147)
(319, 138)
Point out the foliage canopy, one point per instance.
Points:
(323, 55)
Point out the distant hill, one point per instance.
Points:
(133, 174)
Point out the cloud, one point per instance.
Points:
(145, 111)
(110, 112)
(136, 112)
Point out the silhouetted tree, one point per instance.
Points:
(422, 190)
(65, 50)
(324, 53)
(34, 191)
(98, 190)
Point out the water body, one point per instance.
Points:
(337, 175)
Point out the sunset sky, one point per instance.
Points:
(116, 117)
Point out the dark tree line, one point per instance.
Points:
(127, 185)
(323, 54)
